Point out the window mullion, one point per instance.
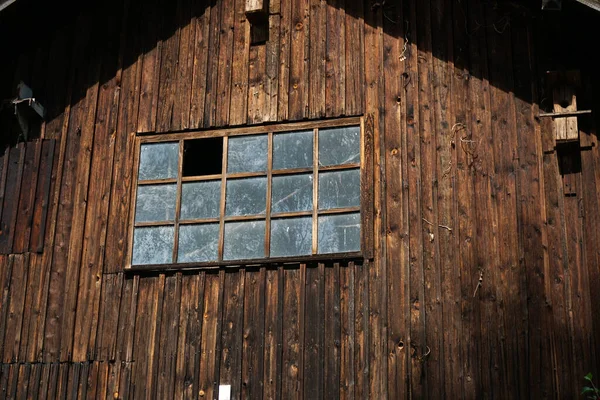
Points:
(178, 203)
(223, 192)
(268, 203)
(315, 230)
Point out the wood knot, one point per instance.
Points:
(299, 26)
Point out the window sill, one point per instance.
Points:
(246, 263)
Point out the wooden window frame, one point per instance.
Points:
(366, 197)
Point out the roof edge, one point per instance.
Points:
(5, 3)
(595, 4)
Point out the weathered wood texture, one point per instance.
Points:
(485, 266)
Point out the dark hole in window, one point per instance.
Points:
(203, 157)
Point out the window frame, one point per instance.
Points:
(365, 209)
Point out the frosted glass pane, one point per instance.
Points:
(246, 197)
(339, 146)
(200, 200)
(339, 189)
(155, 203)
(339, 233)
(293, 150)
(244, 240)
(292, 193)
(159, 161)
(198, 243)
(291, 237)
(153, 245)
(247, 154)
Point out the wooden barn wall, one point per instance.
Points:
(485, 275)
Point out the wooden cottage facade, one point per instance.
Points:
(477, 269)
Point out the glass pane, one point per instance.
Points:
(339, 146)
(200, 200)
(247, 154)
(159, 161)
(198, 243)
(246, 197)
(155, 203)
(339, 189)
(292, 193)
(293, 150)
(153, 245)
(339, 233)
(244, 240)
(291, 237)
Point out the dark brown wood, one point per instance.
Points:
(12, 190)
(42, 196)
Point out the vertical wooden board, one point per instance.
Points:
(355, 85)
(34, 287)
(83, 381)
(335, 92)
(332, 344)
(319, 11)
(169, 60)
(225, 57)
(10, 204)
(257, 96)
(42, 196)
(81, 185)
(35, 381)
(44, 381)
(255, 315)
(230, 372)
(190, 329)
(314, 334)
(125, 340)
(53, 381)
(26, 198)
(125, 381)
(292, 347)
(395, 205)
(147, 326)
(446, 316)
(530, 205)
(23, 380)
(13, 377)
(211, 335)
(102, 379)
(361, 330)
(92, 380)
(213, 68)
(97, 198)
(238, 108)
(3, 174)
(272, 67)
(167, 349)
(62, 380)
(129, 99)
(6, 263)
(150, 65)
(4, 372)
(274, 295)
(347, 335)
(298, 78)
(285, 37)
(201, 19)
(14, 318)
(112, 288)
(185, 65)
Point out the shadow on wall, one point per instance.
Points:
(50, 40)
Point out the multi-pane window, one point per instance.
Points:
(222, 197)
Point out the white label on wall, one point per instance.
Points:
(224, 392)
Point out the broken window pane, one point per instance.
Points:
(159, 161)
(247, 154)
(292, 193)
(244, 240)
(339, 189)
(339, 233)
(155, 203)
(246, 197)
(291, 237)
(153, 245)
(339, 146)
(200, 200)
(293, 150)
(198, 243)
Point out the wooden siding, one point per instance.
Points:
(484, 275)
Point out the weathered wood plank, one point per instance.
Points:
(314, 334)
(112, 287)
(317, 56)
(335, 92)
(25, 201)
(354, 43)
(46, 175)
(292, 345)
(201, 19)
(185, 65)
(298, 64)
(169, 334)
(332, 326)
(10, 204)
(253, 334)
(14, 311)
(169, 65)
(273, 331)
(238, 108)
